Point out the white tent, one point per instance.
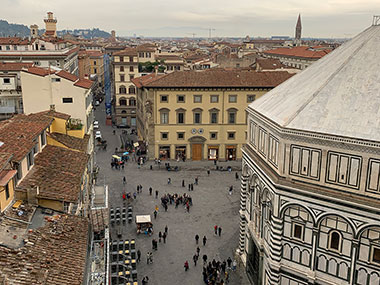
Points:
(142, 219)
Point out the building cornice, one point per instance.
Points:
(315, 138)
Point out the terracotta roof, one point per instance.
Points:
(19, 132)
(39, 71)
(269, 63)
(95, 53)
(14, 66)
(220, 78)
(71, 142)
(13, 41)
(5, 176)
(4, 159)
(52, 114)
(301, 51)
(143, 80)
(58, 174)
(53, 254)
(67, 75)
(84, 83)
(146, 47)
(127, 51)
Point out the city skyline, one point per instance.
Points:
(331, 19)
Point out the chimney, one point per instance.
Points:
(156, 69)
(52, 107)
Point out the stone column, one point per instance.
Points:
(354, 257)
(275, 248)
(243, 222)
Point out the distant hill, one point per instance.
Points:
(10, 30)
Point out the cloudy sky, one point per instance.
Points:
(327, 18)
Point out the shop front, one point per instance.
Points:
(164, 152)
(213, 152)
(230, 152)
(180, 152)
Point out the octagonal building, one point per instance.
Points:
(310, 191)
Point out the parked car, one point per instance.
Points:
(98, 135)
(97, 103)
(96, 125)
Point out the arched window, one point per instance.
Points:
(123, 112)
(335, 240)
(131, 89)
(132, 102)
(122, 101)
(122, 89)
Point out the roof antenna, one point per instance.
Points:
(376, 20)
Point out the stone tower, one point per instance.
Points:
(34, 31)
(50, 25)
(298, 31)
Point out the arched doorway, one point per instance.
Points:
(197, 146)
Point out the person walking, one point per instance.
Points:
(169, 180)
(196, 180)
(208, 172)
(186, 265)
(196, 238)
(166, 229)
(189, 186)
(219, 231)
(138, 256)
(204, 259)
(183, 183)
(192, 187)
(150, 191)
(216, 230)
(229, 262)
(124, 180)
(198, 250)
(156, 194)
(234, 263)
(155, 214)
(195, 259)
(204, 240)
(236, 176)
(230, 190)
(159, 236)
(164, 237)
(145, 280)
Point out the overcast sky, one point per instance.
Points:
(326, 18)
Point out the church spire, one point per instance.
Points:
(298, 30)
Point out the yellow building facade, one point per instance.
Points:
(198, 123)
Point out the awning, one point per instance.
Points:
(6, 176)
(142, 219)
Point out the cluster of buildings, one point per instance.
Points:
(310, 181)
(53, 217)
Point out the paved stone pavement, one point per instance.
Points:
(212, 205)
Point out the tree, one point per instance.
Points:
(150, 66)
